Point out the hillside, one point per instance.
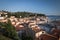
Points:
(4, 37)
(23, 14)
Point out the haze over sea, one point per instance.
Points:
(53, 17)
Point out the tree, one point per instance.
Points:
(9, 30)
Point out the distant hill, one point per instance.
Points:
(23, 14)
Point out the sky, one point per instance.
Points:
(48, 7)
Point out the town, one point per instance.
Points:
(35, 27)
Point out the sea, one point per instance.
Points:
(54, 17)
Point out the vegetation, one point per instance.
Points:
(8, 30)
(23, 14)
(4, 37)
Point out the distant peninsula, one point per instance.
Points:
(22, 14)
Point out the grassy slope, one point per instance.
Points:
(4, 38)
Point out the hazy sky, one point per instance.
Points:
(48, 7)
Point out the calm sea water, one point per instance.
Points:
(54, 17)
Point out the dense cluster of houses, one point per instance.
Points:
(25, 23)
